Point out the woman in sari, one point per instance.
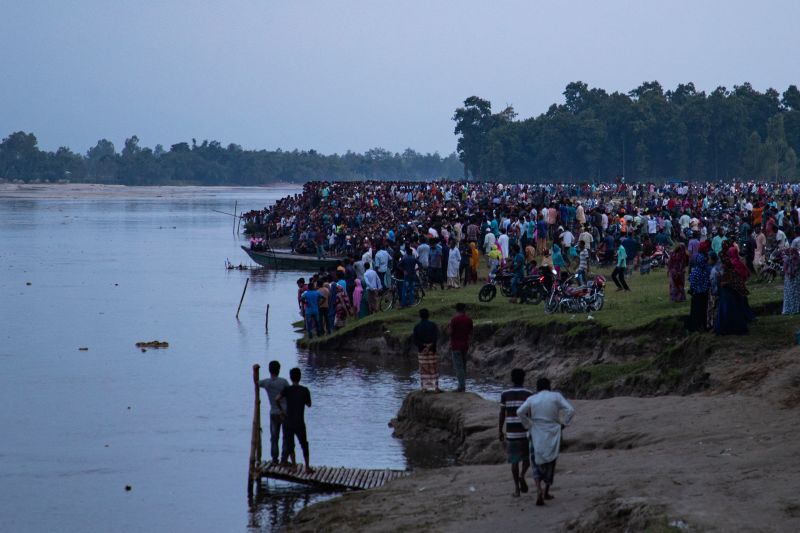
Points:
(791, 280)
(358, 293)
(343, 308)
(733, 311)
(699, 280)
(333, 294)
(474, 257)
(676, 270)
(715, 273)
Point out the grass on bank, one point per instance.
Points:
(646, 305)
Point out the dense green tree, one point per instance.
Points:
(648, 133)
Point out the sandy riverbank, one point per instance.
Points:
(716, 461)
(61, 191)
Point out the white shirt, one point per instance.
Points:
(502, 243)
(567, 238)
(489, 241)
(542, 415)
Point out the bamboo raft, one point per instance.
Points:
(333, 478)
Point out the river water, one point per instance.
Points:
(79, 426)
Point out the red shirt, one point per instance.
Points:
(460, 330)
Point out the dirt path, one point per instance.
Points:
(712, 462)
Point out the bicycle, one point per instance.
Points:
(390, 296)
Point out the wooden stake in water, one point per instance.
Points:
(235, 205)
(242, 298)
(266, 320)
(255, 437)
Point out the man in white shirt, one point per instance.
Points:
(489, 241)
(586, 238)
(545, 414)
(367, 256)
(502, 243)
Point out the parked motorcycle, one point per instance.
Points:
(489, 290)
(536, 289)
(570, 298)
(772, 268)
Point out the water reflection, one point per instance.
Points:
(275, 504)
(174, 423)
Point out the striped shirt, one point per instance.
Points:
(511, 399)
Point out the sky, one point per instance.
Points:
(342, 75)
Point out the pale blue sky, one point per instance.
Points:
(338, 75)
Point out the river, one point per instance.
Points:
(78, 426)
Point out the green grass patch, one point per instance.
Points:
(645, 310)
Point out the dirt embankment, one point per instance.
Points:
(705, 462)
(583, 358)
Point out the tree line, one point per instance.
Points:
(646, 134)
(210, 163)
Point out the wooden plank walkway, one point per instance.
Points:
(333, 478)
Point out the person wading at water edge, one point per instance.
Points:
(297, 398)
(426, 335)
(460, 328)
(311, 300)
(545, 414)
(275, 386)
(515, 435)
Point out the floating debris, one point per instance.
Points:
(83, 349)
(128, 488)
(29, 284)
(152, 344)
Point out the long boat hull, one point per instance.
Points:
(290, 261)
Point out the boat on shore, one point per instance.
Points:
(287, 260)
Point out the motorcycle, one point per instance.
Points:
(772, 268)
(536, 288)
(489, 290)
(569, 298)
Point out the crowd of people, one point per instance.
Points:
(400, 234)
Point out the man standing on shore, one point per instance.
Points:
(545, 414)
(297, 398)
(515, 435)
(460, 330)
(426, 336)
(275, 386)
(373, 288)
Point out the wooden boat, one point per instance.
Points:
(286, 260)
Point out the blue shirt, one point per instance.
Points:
(311, 298)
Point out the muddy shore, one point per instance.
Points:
(698, 432)
(706, 462)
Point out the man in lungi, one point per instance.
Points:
(426, 335)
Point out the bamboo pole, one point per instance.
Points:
(235, 204)
(266, 320)
(242, 298)
(255, 436)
